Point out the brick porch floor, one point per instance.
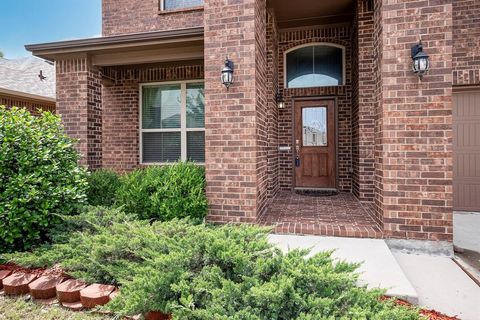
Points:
(340, 215)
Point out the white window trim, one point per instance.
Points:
(183, 120)
(327, 44)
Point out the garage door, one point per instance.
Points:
(466, 151)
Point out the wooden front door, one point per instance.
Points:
(315, 150)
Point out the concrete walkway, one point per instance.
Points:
(432, 282)
(466, 230)
(379, 268)
(441, 285)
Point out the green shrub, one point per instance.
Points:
(39, 177)
(164, 193)
(206, 272)
(102, 187)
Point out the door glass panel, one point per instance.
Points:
(314, 121)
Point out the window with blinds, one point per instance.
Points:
(172, 122)
(179, 4)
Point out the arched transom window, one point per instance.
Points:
(315, 65)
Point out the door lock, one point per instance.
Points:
(297, 152)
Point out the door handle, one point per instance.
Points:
(297, 151)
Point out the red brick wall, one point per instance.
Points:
(272, 115)
(234, 151)
(263, 106)
(414, 122)
(31, 105)
(289, 38)
(133, 16)
(121, 108)
(79, 103)
(363, 116)
(466, 42)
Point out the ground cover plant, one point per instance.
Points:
(39, 176)
(208, 272)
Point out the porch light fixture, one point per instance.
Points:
(280, 100)
(227, 73)
(420, 63)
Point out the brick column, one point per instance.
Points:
(79, 102)
(363, 115)
(414, 121)
(235, 119)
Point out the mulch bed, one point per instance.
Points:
(430, 314)
(55, 271)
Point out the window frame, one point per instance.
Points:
(183, 120)
(162, 7)
(311, 44)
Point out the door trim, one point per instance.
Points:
(295, 99)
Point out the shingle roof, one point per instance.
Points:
(22, 75)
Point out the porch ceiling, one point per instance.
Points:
(140, 48)
(305, 12)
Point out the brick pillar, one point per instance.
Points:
(234, 119)
(79, 102)
(414, 121)
(363, 116)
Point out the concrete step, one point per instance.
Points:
(379, 267)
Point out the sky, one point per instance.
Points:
(39, 21)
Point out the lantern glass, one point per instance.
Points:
(420, 60)
(227, 76)
(423, 64)
(227, 73)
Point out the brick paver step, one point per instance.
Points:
(96, 295)
(44, 287)
(3, 275)
(69, 291)
(17, 283)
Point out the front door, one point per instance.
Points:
(315, 150)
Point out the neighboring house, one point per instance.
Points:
(404, 151)
(22, 86)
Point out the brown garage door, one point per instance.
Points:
(466, 151)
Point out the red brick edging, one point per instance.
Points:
(70, 293)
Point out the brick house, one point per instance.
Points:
(323, 99)
(27, 83)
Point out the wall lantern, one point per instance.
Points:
(280, 100)
(227, 73)
(420, 60)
